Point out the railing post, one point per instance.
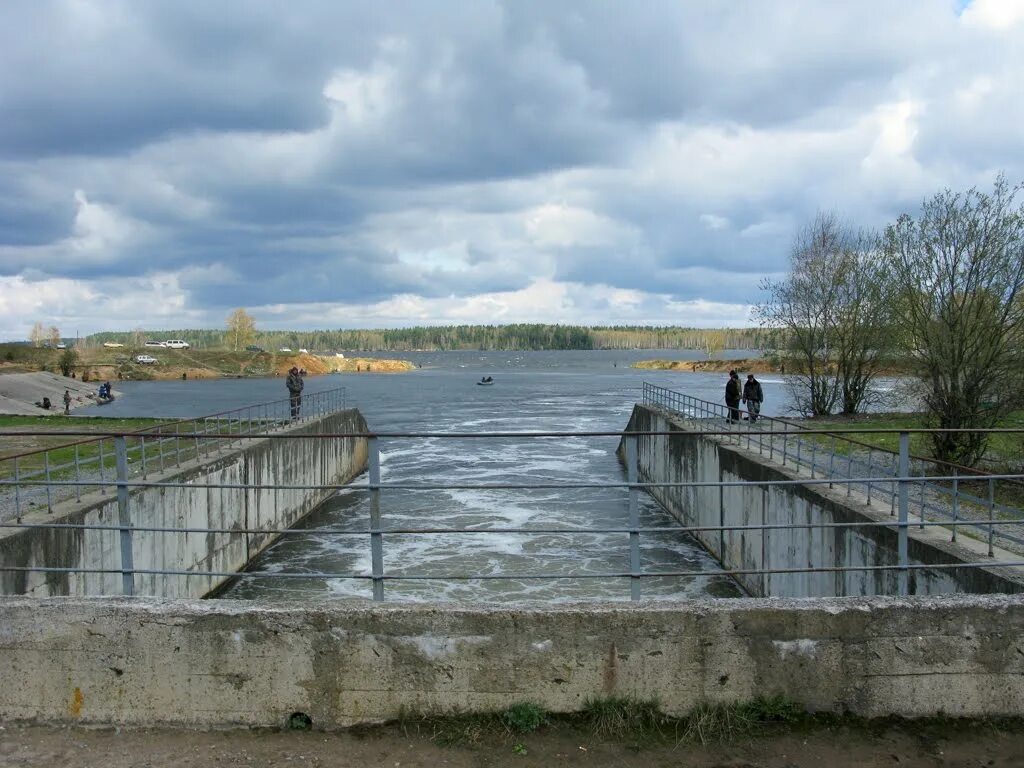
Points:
(17, 489)
(376, 537)
(921, 497)
(904, 504)
(956, 501)
(871, 465)
(832, 461)
(46, 466)
(991, 512)
(78, 477)
(632, 474)
(103, 460)
(124, 518)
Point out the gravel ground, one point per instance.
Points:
(390, 747)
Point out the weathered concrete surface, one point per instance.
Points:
(19, 393)
(217, 663)
(260, 461)
(688, 457)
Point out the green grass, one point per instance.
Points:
(61, 448)
(641, 724)
(1001, 447)
(60, 422)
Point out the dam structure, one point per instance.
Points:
(878, 587)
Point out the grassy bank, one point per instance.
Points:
(105, 363)
(1005, 451)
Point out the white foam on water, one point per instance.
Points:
(571, 459)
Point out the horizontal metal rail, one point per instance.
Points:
(92, 461)
(505, 486)
(897, 481)
(521, 576)
(328, 532)
(940, 489)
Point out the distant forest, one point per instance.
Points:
(474, 337)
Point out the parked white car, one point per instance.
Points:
(284, 349)
(155, 344)
(176, 344)
(304, 351)
(112, 344)
(145, 359)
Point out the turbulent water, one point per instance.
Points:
(538, 391)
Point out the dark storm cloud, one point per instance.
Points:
(256, 153)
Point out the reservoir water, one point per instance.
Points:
(532, 392)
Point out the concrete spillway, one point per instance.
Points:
(215, 663)
(228, 507)
(812, 526)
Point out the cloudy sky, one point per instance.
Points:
(351, 164)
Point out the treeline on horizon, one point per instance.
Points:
(523, 336)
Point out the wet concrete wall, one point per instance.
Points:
(687, 457)
(221, 663)
(260, 461)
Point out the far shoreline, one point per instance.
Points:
(746, 365)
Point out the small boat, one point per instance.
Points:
(104, 400)
(485, 383)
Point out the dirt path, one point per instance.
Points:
(902, 746)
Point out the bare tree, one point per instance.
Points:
(961, 268)
(241, 329)
(833, 312)
(53, 335)
(713, 342)
(38, 335)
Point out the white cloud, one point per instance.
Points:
(1001, 15)
(472, 163)
(711, 221)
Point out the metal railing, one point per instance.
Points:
(939, 491)
(41, 477)
(377, 530)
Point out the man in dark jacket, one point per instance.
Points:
(732, 397)
(753, 396)
(294, 384)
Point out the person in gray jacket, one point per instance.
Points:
(295, 384)
(753, 396)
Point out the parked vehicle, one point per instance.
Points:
(155, 344)
(284, 349)
(145, 359)
(112, 344)
(62, 345)
(304, 351)
(253, 348)
(176, 344)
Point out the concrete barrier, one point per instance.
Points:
(687, 457)
(224, 662)
(259, 461)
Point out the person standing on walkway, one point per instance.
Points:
(753, 396)
(732, 397)
(67, 402)
(294, 384)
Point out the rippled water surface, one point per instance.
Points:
(539, 391)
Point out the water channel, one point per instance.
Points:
(533, 391)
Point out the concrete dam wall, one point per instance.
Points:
(691, 457)
(258, 461)
(221, 663)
